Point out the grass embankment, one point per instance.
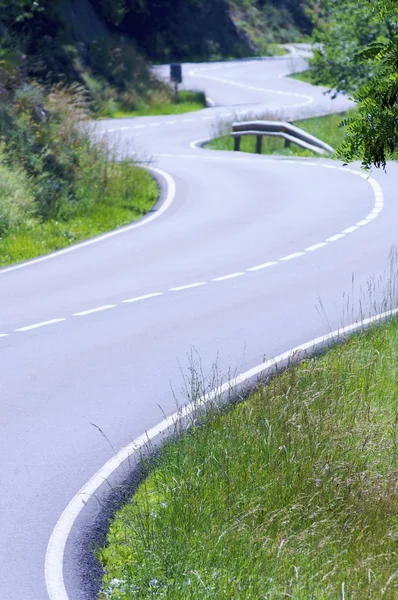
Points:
(58, 186)
(129, 194)
(308, 76)
(325, 128)
(186, 101)
(292, 494)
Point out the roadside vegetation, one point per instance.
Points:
(308, 76)
(58, 186)
(328, 129)
(291, 494)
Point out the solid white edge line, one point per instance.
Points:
(42, 324)
(198, 144)
(54, 558)
(170, 195)
(91, 311)
(4, 335)
(146, 297)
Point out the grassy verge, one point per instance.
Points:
(187, 101)
(308, 77)
(291, 494)
(325, 128)
(129, 194)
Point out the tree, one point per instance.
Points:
(356, 53)
(372, 135)
(342, 29)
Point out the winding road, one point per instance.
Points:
(245, 257)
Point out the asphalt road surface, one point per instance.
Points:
(251, 256)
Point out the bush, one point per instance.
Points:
(17, 206)
(48, 138)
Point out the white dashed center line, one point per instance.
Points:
(336, 237)
(225, 277)
(146, 297)
(42, 324)
(263, 266)
(291, 256)
(378, 206)
(94, 310)
(350, 229)
(187, 287)
(315, 247)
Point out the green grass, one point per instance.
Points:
(293, 494)
(187, 102)
(325, 128)
(130, 195)
(307, 76)
(272, 49)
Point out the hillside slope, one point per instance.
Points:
(205, 29)
(106, 44)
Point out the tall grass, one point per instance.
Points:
(293, 494)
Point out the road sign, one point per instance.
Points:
(176, 73)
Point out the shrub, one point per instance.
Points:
(17, 206)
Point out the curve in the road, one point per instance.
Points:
(56, 547)
(306, 100)
(86, 312)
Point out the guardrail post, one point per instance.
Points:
(236, 144)
(259, 144)
(287, 143)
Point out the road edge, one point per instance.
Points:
(54, 559)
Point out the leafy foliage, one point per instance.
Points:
(16, 198)
(356, 52)
(342, 30)
(372, 135)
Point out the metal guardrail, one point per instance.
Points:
(290, 133)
